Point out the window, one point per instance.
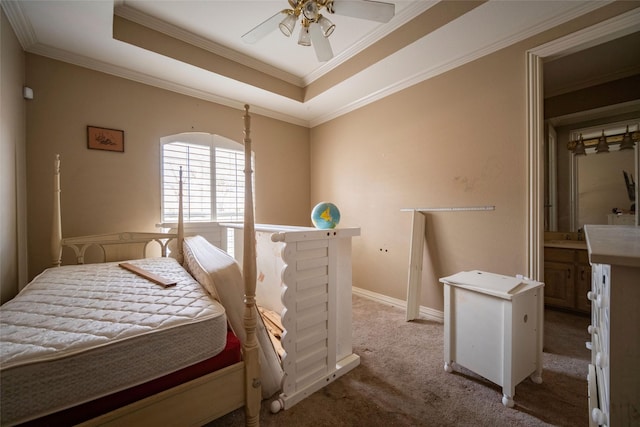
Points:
(212, 176)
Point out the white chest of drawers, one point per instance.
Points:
(614, 373)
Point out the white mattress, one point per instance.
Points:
(76, 333)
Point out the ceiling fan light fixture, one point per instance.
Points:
(318, 28)
(326, 26)
(288, 24)
(310, 10)
(305, 38)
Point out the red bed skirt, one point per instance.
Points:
(231, 354)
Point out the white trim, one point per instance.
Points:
(552, 157)
(425, 312)
(126, 73)
(32, 45)
(535, 166)
(573, 192)
(611, 29)
(467, 57)
(19, 23)
(170, 30)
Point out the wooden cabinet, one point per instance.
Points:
(567, 279)
(583, 283)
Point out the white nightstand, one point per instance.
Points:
(493, 326)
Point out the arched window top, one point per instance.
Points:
(202, 138)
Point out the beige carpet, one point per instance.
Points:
(401, 380)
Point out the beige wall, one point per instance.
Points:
(452, 141)
(13, 260)
(109, 191)
(456, 140)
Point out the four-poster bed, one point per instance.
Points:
(202, 289)
(161, 386)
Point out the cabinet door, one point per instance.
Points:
(559, 288)
(583, 285)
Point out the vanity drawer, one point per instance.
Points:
(559, 255)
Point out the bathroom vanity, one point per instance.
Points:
(567, 272)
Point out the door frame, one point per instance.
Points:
(610, 29)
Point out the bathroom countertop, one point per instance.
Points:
(566, 244)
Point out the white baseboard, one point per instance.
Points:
(425, 312)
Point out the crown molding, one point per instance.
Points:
(117, 71)
(613, 28)
(148, 21)
(579, 10)
(19, 22)
(627, 22)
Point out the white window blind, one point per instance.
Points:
(229, 166)
(212, 174)
(195, 161)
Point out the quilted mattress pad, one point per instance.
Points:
(80, 332)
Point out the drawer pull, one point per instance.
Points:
(601, 301)
(592, 329)
(591, 296)
(601, 360)
(598, 416)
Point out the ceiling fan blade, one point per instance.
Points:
(262, 29)
(371, 10)
(320, 43)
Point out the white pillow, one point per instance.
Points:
(220, 274)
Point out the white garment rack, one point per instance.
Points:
(417, 250)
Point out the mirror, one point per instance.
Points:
(585, 91)
(585, 189)
(601, 188)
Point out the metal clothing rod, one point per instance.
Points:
(452, 209)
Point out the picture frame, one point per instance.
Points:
(99, 138)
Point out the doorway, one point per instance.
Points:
(611, 29)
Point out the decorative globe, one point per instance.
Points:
(325, 215)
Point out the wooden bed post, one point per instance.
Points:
(251, 349)
(56, 232)
(180, 256)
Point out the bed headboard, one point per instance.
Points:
(115, 246)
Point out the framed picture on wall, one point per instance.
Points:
(105, 139)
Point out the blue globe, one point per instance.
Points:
(325, 215)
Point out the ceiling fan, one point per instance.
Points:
(316, 28)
